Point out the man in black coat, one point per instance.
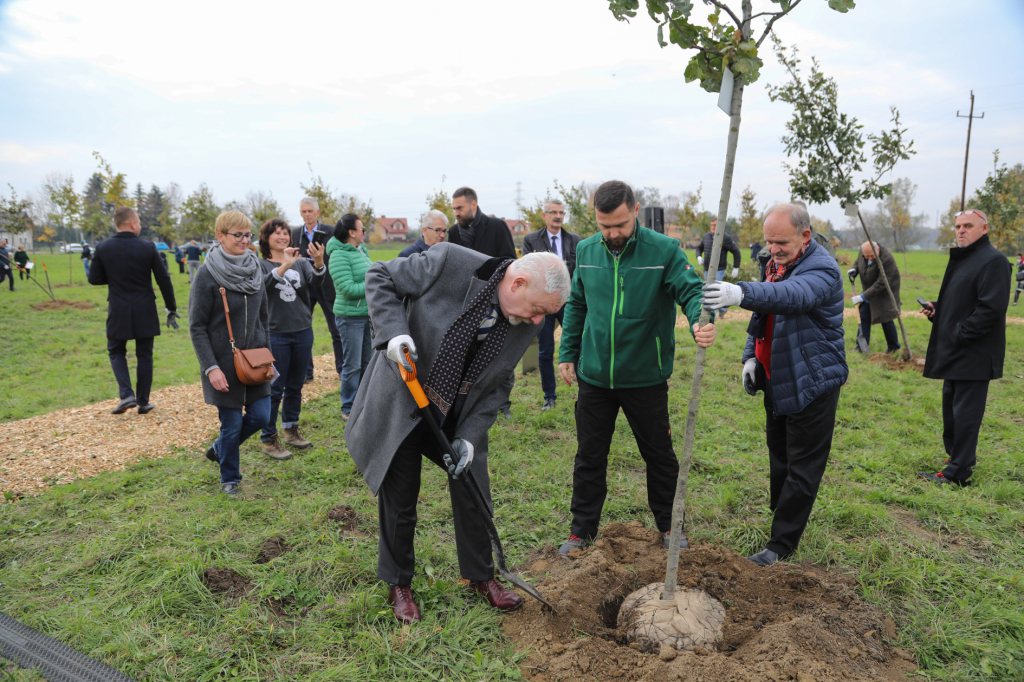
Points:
(125, 263)
(728, 246)
(563, 244)
(324, 294)
(968, 340)
(474, 230)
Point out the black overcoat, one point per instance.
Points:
(968, 340)
(127, 264)
(540, 241)
(487, 235)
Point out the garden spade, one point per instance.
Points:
(862, 343)
(467, 479)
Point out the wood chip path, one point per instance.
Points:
(79, 442)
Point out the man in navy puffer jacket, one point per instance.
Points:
(795, 354)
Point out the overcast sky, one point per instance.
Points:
(386, 99)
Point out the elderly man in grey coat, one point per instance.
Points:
(466, 319)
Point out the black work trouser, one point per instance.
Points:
(396, 512)
(6, 271)
(118, 349)
(963, 407)
(317, 296)
(798, 449)
(646, 410)
(892, 339)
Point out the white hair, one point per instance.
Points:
(430, 216)
(548, 202)
(796, 211)
(309, 201)
(549, 266)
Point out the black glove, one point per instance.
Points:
(172, 315)
(852, 274)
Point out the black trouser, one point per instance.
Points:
(546, 354)
(963, 407)
(892, 339)
(181, 267)
(317, 295)
(396, 512)
(5, 271)
(118, 348)
(1016, 293)
(646, 410)
(798, 449)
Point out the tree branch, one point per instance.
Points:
(778, 15)
(722, 5)
(692, 44)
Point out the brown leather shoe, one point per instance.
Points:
(500, 598)
(292, 438)
(272, 449)
(403, 605)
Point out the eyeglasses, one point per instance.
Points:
(439, 230)
(554, 212)
(971, 212)
(241, 236)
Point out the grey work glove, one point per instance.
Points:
(172, 317)
(464, 451)
(700, 260)
(396, 348)
(722, 295)
(749, 382)
(852, 274)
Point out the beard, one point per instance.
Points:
(515, 319)
(618, 244)
(466, 221)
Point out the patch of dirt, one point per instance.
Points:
(782, 623)
(271, 549)
(897, 362)
(61, 304)
(346, 518)
(225, 581)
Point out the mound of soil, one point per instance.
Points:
(61, 304)
(897, 362)
(782, 623)
(345, 516)
(271, 549)
(226, 581)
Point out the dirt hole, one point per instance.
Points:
(778, 621)
(271, 549)
(225, 581)
(345, 516)
(897, 362)
(61, 304)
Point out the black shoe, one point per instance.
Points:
(548, 404)
(230, 489)
(940, 478)
(125, 405)
(505, 412)
(309, 378)
(573, 543)
(683, 542)
(211, 455)
(765, 557)
(147, 408)
(892, 350)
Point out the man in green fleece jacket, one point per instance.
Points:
(618, 341)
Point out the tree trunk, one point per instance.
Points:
(679, 505)
(907, 353)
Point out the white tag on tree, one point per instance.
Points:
(725, 94)
(851, 210)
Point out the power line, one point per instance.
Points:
(970, 119)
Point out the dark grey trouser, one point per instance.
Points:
(118, 350)
(963, 408)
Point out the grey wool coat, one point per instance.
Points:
(874, 291)
(422, 296)
(250, 322)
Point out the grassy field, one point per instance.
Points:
(58, 358)
(112, 565)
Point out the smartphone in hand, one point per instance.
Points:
(924, 303)
(321, 238)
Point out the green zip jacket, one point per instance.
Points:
(619, 324)
(348, 266)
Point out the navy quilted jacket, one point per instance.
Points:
(808, 352)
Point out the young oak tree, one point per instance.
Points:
(725, 47)
(830, 149)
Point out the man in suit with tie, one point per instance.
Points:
(324, 294)
(563, 244)
(125, 264)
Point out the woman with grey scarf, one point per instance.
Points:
(233, 266)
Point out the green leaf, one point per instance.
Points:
(661, 36)
(478, 655)
(683, 7)
(842, 5)
(713, 19)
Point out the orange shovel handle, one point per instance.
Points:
(412, 383)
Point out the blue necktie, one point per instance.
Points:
(486, 324)
(554, 245)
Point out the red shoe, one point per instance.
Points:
(403, 605)
(500, 598)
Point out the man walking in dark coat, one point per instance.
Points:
(324, 294)
(728, 246)
(474, 230)
(466, 320)
(126, 264)
(562, 243)
(875, 305)
(6, 266)
(795, 354)
(968, 340)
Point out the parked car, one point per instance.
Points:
(71, 248)
(160, 246)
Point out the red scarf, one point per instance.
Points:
(763, 347)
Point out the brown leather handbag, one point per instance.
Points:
(254, 366)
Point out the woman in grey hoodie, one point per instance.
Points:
(234, 267)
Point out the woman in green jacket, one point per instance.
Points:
(348, 263)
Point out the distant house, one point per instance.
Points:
(517, 227)
(391, 229)
(16, 239)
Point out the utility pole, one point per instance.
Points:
(970, 119)
(519, 199)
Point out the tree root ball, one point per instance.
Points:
(693, 619)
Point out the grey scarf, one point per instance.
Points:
(237, 273)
